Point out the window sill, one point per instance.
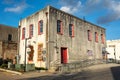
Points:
(60, 33)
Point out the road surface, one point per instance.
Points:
(96, 72)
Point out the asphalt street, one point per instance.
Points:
(96, 72)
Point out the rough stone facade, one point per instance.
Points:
(50, 46)
(6, 31)
(1, 49)
(8, 42)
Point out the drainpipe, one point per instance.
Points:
(47, 52)
(25, 56)
(18, 45)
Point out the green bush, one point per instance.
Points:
(4, 66)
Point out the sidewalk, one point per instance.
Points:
(37, 73)
(10, 71)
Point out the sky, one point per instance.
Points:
(104, 13)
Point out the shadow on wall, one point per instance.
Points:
(116, 72)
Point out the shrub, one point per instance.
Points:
(4, 66)
(1, 61)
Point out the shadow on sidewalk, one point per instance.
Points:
(74, 76)
(116, 72)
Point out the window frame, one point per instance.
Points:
(71, 30)
(96, 36)
(23, 33)
(40, 27)
(89, 34)
(31, 31)
(9, 37)
(59, 27)
(102, 38)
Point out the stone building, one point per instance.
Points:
(8, 42)
(51, 37)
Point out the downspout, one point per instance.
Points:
(18, 44)
(47, 52)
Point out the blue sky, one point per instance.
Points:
(105, 13)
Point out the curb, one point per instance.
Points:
(15, 72)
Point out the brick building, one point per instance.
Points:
(8, 42)
(53, 37)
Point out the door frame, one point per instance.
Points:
(62, 60)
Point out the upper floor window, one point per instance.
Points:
(102, 38)
(59, 27)
(9, 37)
(23, 33)
(40, 27)
(31, 30)
(96, 37)
(89, 35)
(71, 30)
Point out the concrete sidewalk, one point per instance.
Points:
(29, 73)
(10, 71)
(37, 73)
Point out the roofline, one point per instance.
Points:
(65, 13)
(33, 13)
(4, 25)
(76, 17)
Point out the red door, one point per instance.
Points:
(63, 55)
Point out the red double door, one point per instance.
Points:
(63, 55)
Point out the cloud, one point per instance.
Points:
(92, 6)
(8, 1)
(70, 6)
(17, 7)
(109, 9)
(113, 14)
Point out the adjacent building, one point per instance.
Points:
(8, 42)
(113, 49)
(51, 37)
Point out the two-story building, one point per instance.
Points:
(8, 42)
(55, 37)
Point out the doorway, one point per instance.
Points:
(64, 55)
